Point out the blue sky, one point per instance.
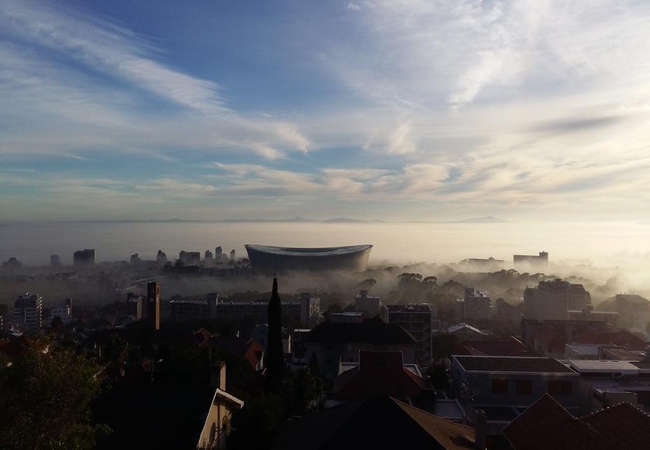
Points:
(393, 110)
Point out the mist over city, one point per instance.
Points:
(325, 225)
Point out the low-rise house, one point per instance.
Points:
(217, 428)
(379, 373)
(330, 343)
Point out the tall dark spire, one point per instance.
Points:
(274, 351)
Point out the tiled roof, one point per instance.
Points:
(546, 424)
(371, 331)
(511, 364)
(357, 425)
(378, 373)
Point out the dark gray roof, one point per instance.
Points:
(511, 364)
(370, 331)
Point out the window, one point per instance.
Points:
(559, 387)
(500, 387)
(524, 387)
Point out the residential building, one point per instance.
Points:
(134, 305)
(552, 300)
(218, 255)
(416, 320)
(302, 310)
(548, 425)
(504, 386)
(367, 304)
(233, 256)
(474, 306)
(330, 343)
(55, 261)
(527, 262)
(375, 422)
(84, 258)
(188, 309)
(135, 259)
(217, 426)
(153, 305)
(261, 335)
(208, 259)
(28, 312)
(489, 264)
(379, 373)
(63, 312)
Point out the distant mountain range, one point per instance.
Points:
(342, 220)
(487, 219)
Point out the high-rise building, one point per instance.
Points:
(190, 258)
(161, 258)
(233, 255)
(209, 257)
(153, 305)
(84, 258)
(55, 261)
(28, 312)
(218, 255)
(134, 305)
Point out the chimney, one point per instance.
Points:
(480, 428)
(218, 375)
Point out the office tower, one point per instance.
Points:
(218, 254)
(153, 305)
(84, 258)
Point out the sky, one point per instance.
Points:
(390, 110)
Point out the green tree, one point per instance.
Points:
(302, 392)
(45, 400)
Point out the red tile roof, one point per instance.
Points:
(546, 424)
(378, 373)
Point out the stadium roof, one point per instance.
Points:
(307, 251)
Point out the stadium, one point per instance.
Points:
(352, 258)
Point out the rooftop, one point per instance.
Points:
(633, 298)
(357, 424)
(511, 364)
(602, 366)
(370, 331)
(546, 424)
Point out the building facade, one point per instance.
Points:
(153, 305)
(552, 300)
(367, 304)
(28, 312)
(416, 320)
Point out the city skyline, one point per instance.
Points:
(371, 110)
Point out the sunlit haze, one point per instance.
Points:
(382, 110)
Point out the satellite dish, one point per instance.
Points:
(225, 425)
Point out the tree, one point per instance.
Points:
(302, 391)
(274, 349)
(45, 400)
